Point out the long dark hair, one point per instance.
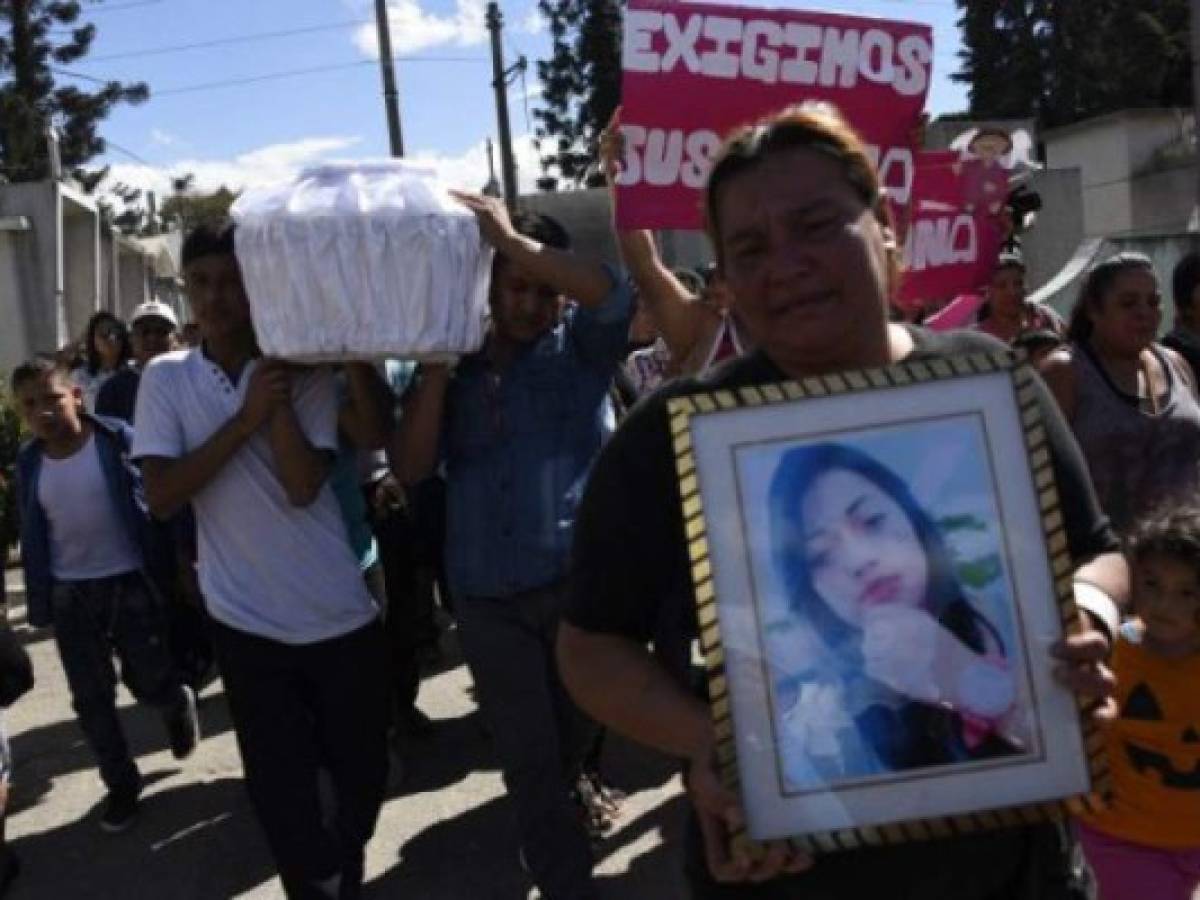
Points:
(798, 471)
(1099, 281)
(93, 356)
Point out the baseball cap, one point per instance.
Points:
(154, 309)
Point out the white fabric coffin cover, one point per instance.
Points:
(360, 261)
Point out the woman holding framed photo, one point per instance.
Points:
(803, 240)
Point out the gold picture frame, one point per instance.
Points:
(797, 413)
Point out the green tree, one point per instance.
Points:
(188, 208)
(32, 45)
(581, 86)
(1065, 60)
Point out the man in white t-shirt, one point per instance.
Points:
(250, 442)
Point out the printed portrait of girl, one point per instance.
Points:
(880, 660)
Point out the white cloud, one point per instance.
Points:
(276, 162)
(534, 22)
(532, 92)
(469, 170)
(414, 29)
(163, 138)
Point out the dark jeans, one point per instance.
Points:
(92, 620)
(539, 734)
(405, 611)
(1031, 863)
(299, 709)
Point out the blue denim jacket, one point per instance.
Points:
(113, 438)
(518, 446)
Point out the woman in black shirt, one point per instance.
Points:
(802, 239)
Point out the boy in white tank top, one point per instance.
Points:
(86, 558)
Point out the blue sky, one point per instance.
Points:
(250, 133)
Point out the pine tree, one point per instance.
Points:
(1065, 60)
(1003, 57)
(581, 86)
(31, 100)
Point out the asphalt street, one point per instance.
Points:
(446, 831)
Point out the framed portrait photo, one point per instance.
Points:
(881, 567)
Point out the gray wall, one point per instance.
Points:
(1056, 235)
(28, 309)
(66, 243)
(15, 324)
(81, 265)
(587, 216)
(1163, 201)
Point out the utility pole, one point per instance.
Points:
(391, 97)
(508, 165)
(492, 188)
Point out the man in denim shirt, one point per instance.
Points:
(519, 424)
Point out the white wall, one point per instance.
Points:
(14, 328)
(1126, 188)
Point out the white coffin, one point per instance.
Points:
(361, 261)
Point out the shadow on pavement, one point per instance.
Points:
(51, 751)
(456, 748)
(657, 873)
(195, 842)
(471, 855)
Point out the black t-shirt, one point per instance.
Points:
(118, 395)
(631, 576)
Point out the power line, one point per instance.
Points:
(120, 6)
(292, 73)
(80, 75)
(271, 76)
(234, 39)
(115, 146)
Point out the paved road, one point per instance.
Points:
(445, 833)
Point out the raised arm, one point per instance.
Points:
(670, 304)
(366, 416)
(413, 447)
(587, 283)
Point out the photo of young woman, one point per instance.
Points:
(912, 671)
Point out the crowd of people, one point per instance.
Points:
(186, 507)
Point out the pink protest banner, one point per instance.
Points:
(694, 71)
(953, 228)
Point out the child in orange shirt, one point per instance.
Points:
(1146, 842)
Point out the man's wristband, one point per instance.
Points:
(1102, 607)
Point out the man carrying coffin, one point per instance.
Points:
(517, 426)
(249, 443)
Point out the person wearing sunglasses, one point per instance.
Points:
(107, 350)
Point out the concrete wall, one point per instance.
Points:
(1163, 201)
(1059, 229)
(1126, 187)
(66, 249)
(1101, 156)
(14, 329)
(27, 281)
(587, 216)
(81, 265)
